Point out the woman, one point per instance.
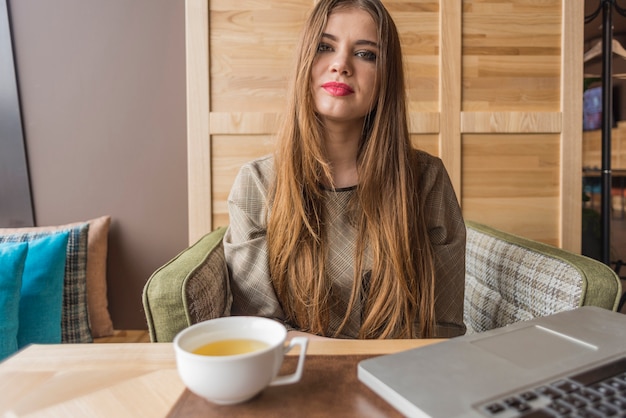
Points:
(347, 231)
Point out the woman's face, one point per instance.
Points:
(343, 76)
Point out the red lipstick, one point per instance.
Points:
(337, 89)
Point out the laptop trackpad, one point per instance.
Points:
(533, 346)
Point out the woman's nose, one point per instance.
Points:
(341, 64)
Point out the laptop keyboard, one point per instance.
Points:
(595, 393)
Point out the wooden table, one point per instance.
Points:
(123, 380)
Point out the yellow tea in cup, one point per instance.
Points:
(208, 364)
(230, 347)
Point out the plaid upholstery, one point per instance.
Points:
(208, 298)
(510, 279)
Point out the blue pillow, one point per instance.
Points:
(41, 295)
(74, 317)
(12, 259)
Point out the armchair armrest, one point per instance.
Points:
(509, 278)
(190, 288)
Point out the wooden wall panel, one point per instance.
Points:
(511, 84)
(490, 88)
(512, 182)
(570, 227)
(198, 136)
(450, 68)
(250, 53)
(417, 23)
(251, 47)
(511, 55)
(521, 63)
(229, 153)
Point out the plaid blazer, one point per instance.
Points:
(246, 251)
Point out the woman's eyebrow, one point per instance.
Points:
(359, 42)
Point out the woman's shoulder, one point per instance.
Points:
(253, 179)
(263, 163)
(431, 171)
(262, 167)
(427, 161)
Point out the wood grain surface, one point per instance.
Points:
(329, 388)
(481, 74)
(125, 380)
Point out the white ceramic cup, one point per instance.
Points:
(231, 379)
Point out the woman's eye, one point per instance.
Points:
(366, 55)
(323, 47)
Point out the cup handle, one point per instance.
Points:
(295, 377)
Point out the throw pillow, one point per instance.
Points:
(75, 319)
(97, 250)
(97, 300)
(12, 259)
(41, 294)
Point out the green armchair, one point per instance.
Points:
(508, 279)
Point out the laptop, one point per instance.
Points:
(569, 363)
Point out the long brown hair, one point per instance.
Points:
(400, 288)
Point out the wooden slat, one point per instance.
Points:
(571, 137)
(260, 123)
(423, 122)
(450, 90)
(198, 140)
(511, 122)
